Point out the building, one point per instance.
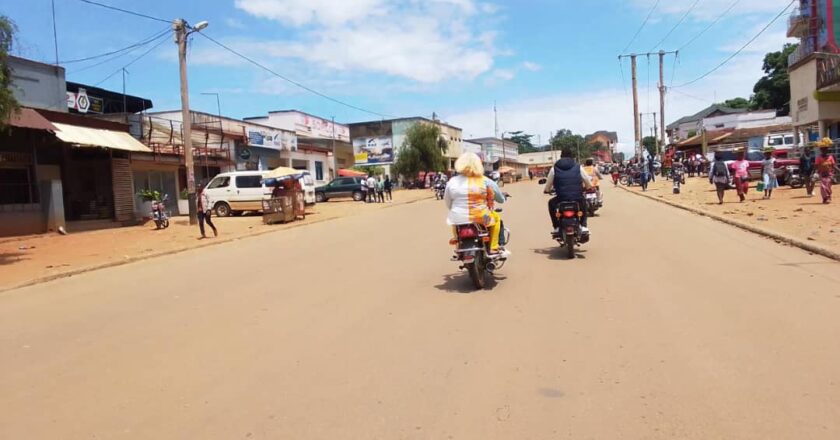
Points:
(59, 169)
(379, 142)
(608, 139)
(498, 152)
(689, 126)
(814, 70)
(323, 146)
(539, 163)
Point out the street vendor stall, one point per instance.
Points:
(286, 202)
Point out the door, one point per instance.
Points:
(219, 190)
(343, 187)
(248, 193)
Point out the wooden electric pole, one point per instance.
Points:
(636, 116)
(637, 129)
(661, 102)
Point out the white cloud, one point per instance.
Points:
(234, 23)
(426, 41)
(504, 74)
(531, 67)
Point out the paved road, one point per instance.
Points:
(667, 326)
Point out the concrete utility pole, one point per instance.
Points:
(637, 130)
(335, 158)
(182, 31)
(662, 140)
(636, 116)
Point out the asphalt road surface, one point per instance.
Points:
(667, 325)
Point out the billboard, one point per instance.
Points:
(373, 150)
(321, 128)
(274, 139)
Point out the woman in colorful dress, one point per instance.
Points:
(470, 198)
(825, 169)
(741, 169)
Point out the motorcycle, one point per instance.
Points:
(570, 234)
(472, 249)
(592, 201)
(439, 188)
(159, 213)
(629, 178)
(794, 177)
(678, 178)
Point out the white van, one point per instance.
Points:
(308, 184)
(233, 193)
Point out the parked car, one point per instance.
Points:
(341, 187)
(236, 192)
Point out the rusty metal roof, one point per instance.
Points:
(29, 118)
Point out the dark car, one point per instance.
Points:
(341, 187)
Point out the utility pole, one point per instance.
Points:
(661, 101)
(495, 121)
(636, 117)
(182, 31)
(335, 158)
(637, 130)
(125, 111)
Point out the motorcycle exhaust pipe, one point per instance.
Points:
(491, 266)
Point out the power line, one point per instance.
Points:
(313, 91)
(163, 39)
(126, 11)
(691, 8)
(650, 13)
(140, 43)
(693, 97)
(782, 12)
(719, 17)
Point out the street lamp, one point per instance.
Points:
(182, 31)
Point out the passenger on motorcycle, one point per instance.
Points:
(567, 180)
(470, 197)
(594, 175)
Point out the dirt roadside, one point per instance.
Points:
(789, 216)
(37, 258)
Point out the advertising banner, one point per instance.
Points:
(277, 140)
(373, 151)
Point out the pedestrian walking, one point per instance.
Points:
(719, 175)
(205, 213)
(388, 186)
(652, 169)
(643, 173)
(364, 189)
(371, 189)
(768, 173)
(825, 169)
(807, 167)
(742, 175)
(380, 191)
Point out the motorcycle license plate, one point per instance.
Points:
(590, 196)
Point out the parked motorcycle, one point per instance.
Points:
(570, 234)
(472, 249)
(794, 177)
(159, 213)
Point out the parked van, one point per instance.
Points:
(236, 192)
(308, 185)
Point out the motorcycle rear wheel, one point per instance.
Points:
(477, 275)
(165, 223)
(570, 249)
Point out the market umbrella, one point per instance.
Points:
(350, 173)
(283, 173)
(506, 170)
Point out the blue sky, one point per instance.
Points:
(548, 64)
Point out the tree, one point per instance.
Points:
(737, 103)
(523, 141)
(650, 144)
(422, 150)
(772, 91)
(8, 103)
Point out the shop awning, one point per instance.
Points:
(350, 173)
(28, 118)
(98, 137)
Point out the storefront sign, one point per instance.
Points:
(378, 150)
(321, 128)
(82, 103)
(277, 140)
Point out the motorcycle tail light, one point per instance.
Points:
(467, 233)
(568, 214)
(485, 239)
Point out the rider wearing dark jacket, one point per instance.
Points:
(568, 180)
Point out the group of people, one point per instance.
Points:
(376, 190)
(812, 168)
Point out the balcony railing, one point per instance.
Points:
(798, 23)
(806, 48)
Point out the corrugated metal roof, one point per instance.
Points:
(28, 118)
(97, 137)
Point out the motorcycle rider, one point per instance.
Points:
(594, 175)
(568, 180)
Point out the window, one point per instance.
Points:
(345, 181)
(219, 182)
(788, 140)
(774, 141)
(249, 181)
(17, 186)
(319, 170)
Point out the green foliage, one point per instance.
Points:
(149, 195)
(582, 150)
(649, 143)
(8, 103)
(737, 103)
(184, 194)
(692, 133)
(523, 141)
(375, 169)
(422, 150)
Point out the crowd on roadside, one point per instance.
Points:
(376, 189)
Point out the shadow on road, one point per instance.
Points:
(461, 283)
(12, 257)
(556, 253)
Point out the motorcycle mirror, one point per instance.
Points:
(507, 195)
(542, 181)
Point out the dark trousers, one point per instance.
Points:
(388, 193)
(552, 206)
(371, 195)
(204, 216)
